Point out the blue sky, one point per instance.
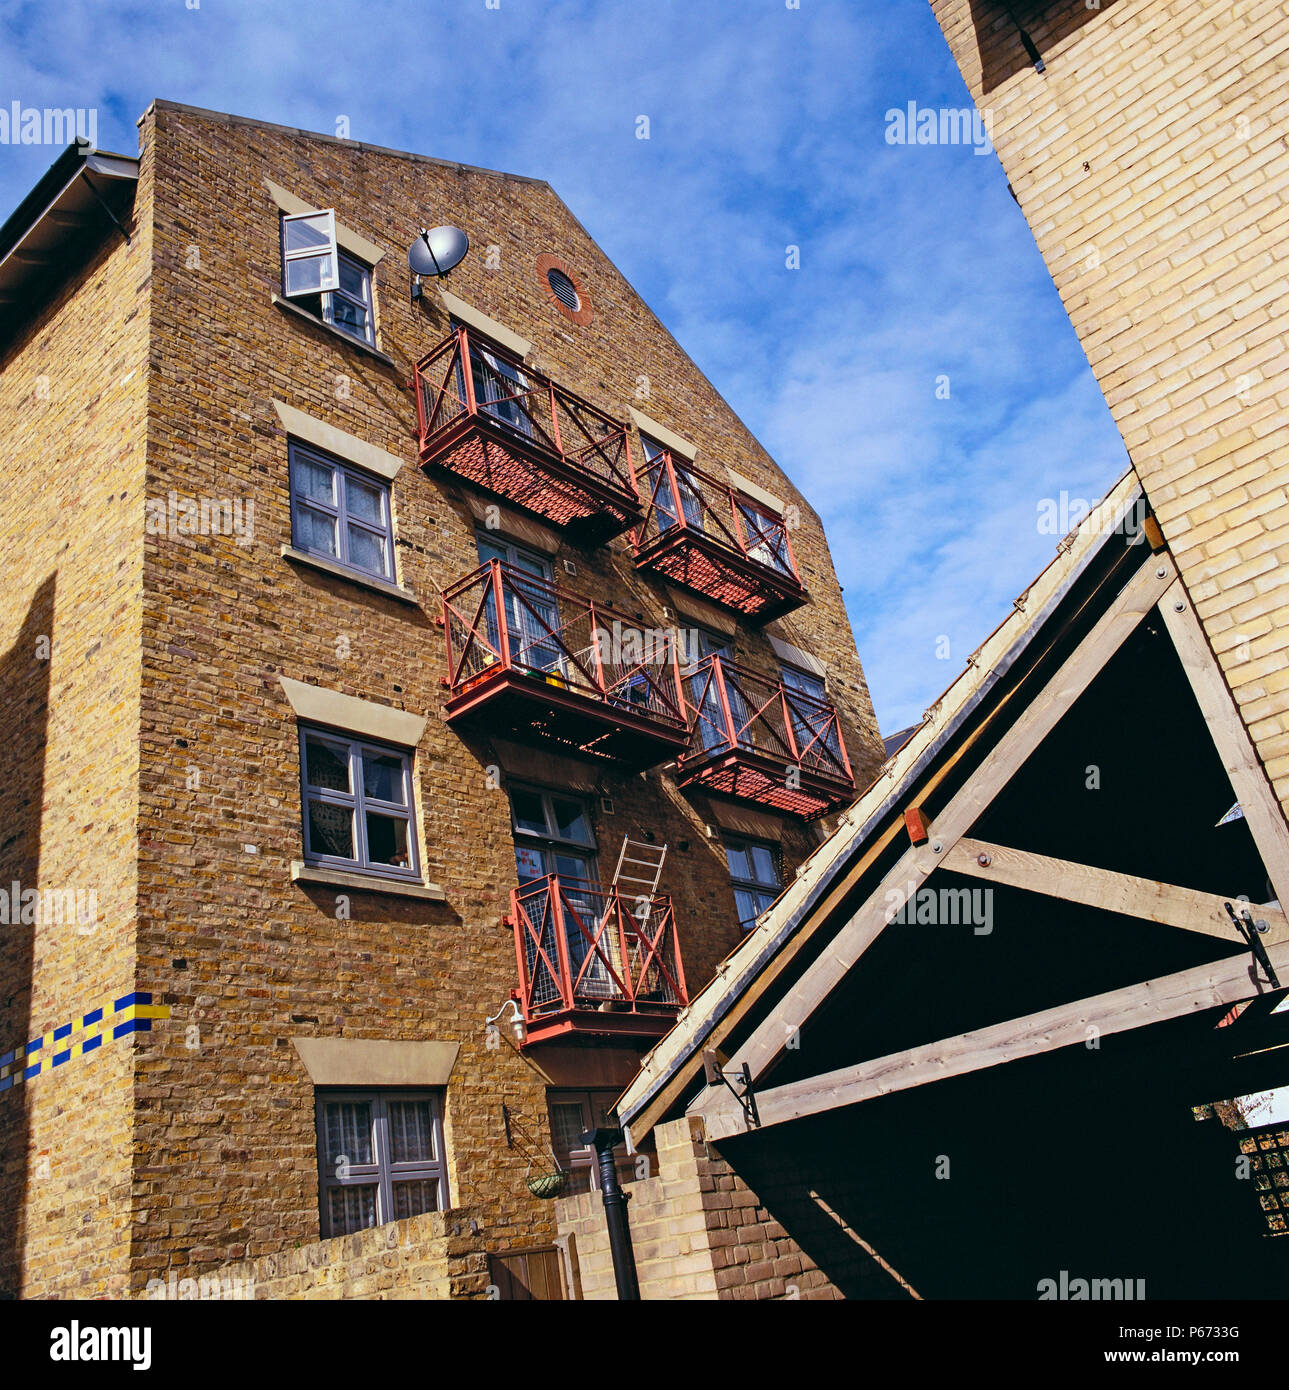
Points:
(767, 128)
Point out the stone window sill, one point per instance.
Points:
(365, 581)
(334, 331)
(365, 883)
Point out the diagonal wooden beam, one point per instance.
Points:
(1135, 897)
(1137, 1006)
(1257, 800)
(1033, 723)
(843, 884)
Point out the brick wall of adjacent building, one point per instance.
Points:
(73, 386)
(154, 756)
(1151, 161)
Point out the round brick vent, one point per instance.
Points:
(567, 292)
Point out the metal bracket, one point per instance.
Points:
(102, 202)
(1249, 930)
(747, 1101)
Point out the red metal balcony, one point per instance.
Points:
(513, 432)
(707, 536)
(755, 740)
(552, 671)
(595, 961)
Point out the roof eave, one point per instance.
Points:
(62, 204)
(848, 842)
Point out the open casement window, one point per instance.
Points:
(310, 258)
(380, 1158)
(689, 512)
(358, 812)
(754, 873)
(340, 512)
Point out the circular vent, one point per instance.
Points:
(567, 292)
(564, 290)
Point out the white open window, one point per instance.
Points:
(310, 260)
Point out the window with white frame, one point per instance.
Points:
(309, 253)
(340, 512)
(358, 811)
(324, 280)
(380, 1157)
(754, 872)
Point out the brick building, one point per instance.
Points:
(358, 627)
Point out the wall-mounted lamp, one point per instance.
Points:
(516, 1024)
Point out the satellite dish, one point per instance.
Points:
(436, 251)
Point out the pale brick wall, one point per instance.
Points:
(1151, 163)
(698, 1232)
(73, 399)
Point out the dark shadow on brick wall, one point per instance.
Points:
(24, 719)
(998, 25)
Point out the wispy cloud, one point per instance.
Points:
(766, 128)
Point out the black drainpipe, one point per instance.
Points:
(603, 1142)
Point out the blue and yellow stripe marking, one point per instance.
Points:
(131, 1013)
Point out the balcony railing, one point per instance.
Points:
(539, 662)
(756, 740)
(594, 960)
(515, 433)
(709, 537)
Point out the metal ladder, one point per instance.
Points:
(640, 881)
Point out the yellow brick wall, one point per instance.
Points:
(226, 1126)
(424, 1257)
(73, 399)
(1151, 162)
(168, 751)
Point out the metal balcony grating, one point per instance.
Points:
(708, 537)
(512, 432)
